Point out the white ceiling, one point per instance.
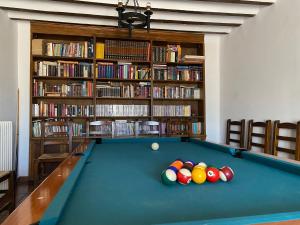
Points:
(207, 16)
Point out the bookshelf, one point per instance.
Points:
(87, 73)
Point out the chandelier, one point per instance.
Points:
(133, 19)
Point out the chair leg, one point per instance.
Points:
(36, 173)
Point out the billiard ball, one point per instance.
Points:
(212, 174)
(189, 165)
(176, 165)
(226, 173)
(198, 175)
(168, 177)
(155, 146)
(184, 176)
(201, 165)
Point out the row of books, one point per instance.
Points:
(61, 110)
(122, 110)
(82, 49)
(82, 89)
(126, 50)
(77, 129)
(119, 90)
(172, 110)
(185, 73)
(197, 128)
(125, 71)
(108, 110)
(179, 92)
(162, 54)
(63, 69)
(119, 128)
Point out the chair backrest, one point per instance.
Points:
(123, 128)
(175, 127)
(147, 128)
(265, 135)
(99, 128)
(294, 127)
(240, 133)
(56, 133)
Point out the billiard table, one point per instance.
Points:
(117, 182)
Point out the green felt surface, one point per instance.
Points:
(120, 184)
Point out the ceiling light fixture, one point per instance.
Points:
(133, 19)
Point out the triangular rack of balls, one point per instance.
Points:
(185, 172)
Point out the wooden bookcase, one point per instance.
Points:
(157, 42)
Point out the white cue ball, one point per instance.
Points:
(155, 146)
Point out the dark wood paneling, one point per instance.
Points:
(113, 32)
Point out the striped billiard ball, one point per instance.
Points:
(189, 165)
(226, 174)
(184, 176)
(168, 177)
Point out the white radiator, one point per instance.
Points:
(6, 148)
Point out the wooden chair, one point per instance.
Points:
(98, 129)
(7, 197)
(265, 135)
(123, 128)
(277, 137)
(240, 132)
(58, 136)
(178, 128)
(147, 128)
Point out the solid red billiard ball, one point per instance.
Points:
(212, 174)
(184, 176)
(226, 174)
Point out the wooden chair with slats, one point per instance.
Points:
(178, 128)
(147, 128)
(7, 196)
(99, 129)
(240, 133)
(265, 135)
(56, 145)
(293, 127)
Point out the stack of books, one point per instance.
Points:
(78, 89)
(126, 50)
(193, 59)
(106, 110)
(63, 69)
(197, 128)
(120, 90)
(61, 110)
(176, 92)
(82, 49)
(172, 110)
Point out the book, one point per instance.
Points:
(100, 50)
(37, 46)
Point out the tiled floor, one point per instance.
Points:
(22, 191)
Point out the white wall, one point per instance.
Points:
(212, 85)
(23, 60)
(8, 70)
(260, 67)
